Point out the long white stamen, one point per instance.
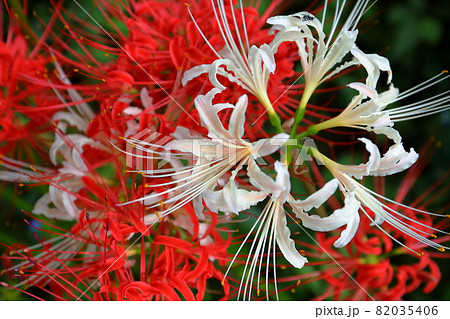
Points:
(389, 235)
(243, 51)
(260, 218)
(203, 35)
(400, 204)
(418, 88)
(244, 25)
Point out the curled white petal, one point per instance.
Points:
(396, 160)
(284, 241)
(316, 199)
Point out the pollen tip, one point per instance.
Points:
(187, 4)
(20, 184)
(433, 236)
(447, 216)
(293, 290)
(11, 252)
(444, 71)
(283, 267)
(441, 249)
(258, 292)
(223, 282)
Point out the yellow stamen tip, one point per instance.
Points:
(441, 249)
(444, 71)
(223, 282)
(433, 236)
(187, 4)
(292, 290)
(258, 292)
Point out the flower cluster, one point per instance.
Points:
(193, 114)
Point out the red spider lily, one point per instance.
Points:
(89, 262)
(21, 127)
(115, 252)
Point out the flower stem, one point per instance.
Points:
(273, 116)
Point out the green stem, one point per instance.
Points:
(276, 122)
(299, 114)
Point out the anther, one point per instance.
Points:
(433, 236)
(444, 71)
(441, 249)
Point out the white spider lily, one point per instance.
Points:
(395, 160)
(271, 230)
(220, 153)
(321, 54)
(372, 115)
(249, 67)
(359, 197)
